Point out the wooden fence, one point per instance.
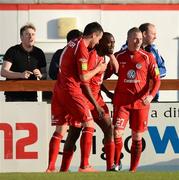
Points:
(47, 85)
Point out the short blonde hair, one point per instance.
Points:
(27, 26)
(133, 30)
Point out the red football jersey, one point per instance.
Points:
(96, 81)
(68, 98)
(73, 63)
(135, 71)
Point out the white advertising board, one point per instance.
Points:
(25, 132)
(23, 137)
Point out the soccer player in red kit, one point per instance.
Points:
(68, 99)
(105, 47)
(96, 103)
(133, 95)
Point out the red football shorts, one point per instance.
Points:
(138, 118)
(67, 109)
(95, 114)
(102, 104)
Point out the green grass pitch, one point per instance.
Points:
(124, 175)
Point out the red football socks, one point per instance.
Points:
(109, 150)
(136, 150)
(85, 145)
(118, 149)
(54, 147)
(66, 160)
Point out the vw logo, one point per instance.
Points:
(131, 74)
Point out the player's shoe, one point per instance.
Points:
(119, 167)
(113, 168)
(132, 170)
(51, 171)
(87, 169)
(116, 168)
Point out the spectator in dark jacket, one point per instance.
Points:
(54, 64)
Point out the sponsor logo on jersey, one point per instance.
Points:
(131, 81)
(131, 74)
(122, 64)
(138, 66)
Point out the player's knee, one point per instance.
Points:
(61, 129)
(89, 124)
(108, 131)
(137, 136)
(118, 133)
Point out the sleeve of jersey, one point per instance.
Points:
(82, 57)
(109, 70)
(155, 76)
(160, 61)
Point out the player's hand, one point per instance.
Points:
(148, 99)
(114, 63)
(102, 66)
(26, 74)
(101, 112)
(37, 73)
